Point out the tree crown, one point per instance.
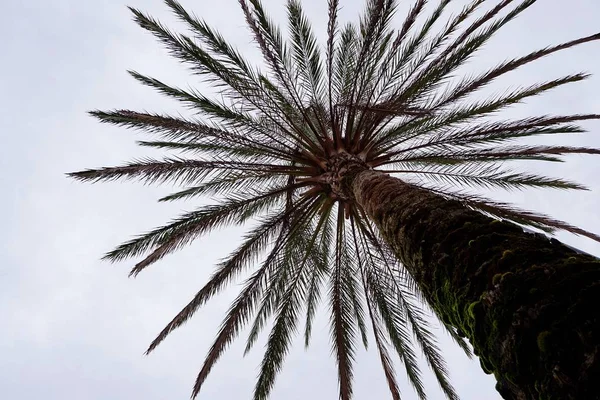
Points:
(273, 149)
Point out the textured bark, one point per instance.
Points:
(528, 304)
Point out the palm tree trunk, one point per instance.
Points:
(528, 304)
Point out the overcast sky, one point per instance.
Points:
(74, 327)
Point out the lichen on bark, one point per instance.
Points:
(527, 303)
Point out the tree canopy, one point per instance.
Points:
(270, 152)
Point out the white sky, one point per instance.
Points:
(74, 327)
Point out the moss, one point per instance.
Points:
(542, 341)
(472, 309)
(510, 378)
(485, 366)
(507, 253)
(498, 278)
(496, 375)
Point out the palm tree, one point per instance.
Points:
(353, 168)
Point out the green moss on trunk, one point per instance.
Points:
(528, 304)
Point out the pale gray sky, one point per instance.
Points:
(74, 327)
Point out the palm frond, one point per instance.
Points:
(514, 214)
(487, 176)
(388, 302)
(255, 87)
(375, 37)
(376, 324)
(382, 348)
(306, 53)
(465, 114)
(229, 183)
(320, 271)
(275, 52)
(342, 329)
(292, 262)
(177, 170)
(255, 243)
(345, 65)
(236, 318)
(395, 326)
(457, 155)
(332, 30)
(287, 315)
(469, 86)
(427, 343)
(185, 229)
